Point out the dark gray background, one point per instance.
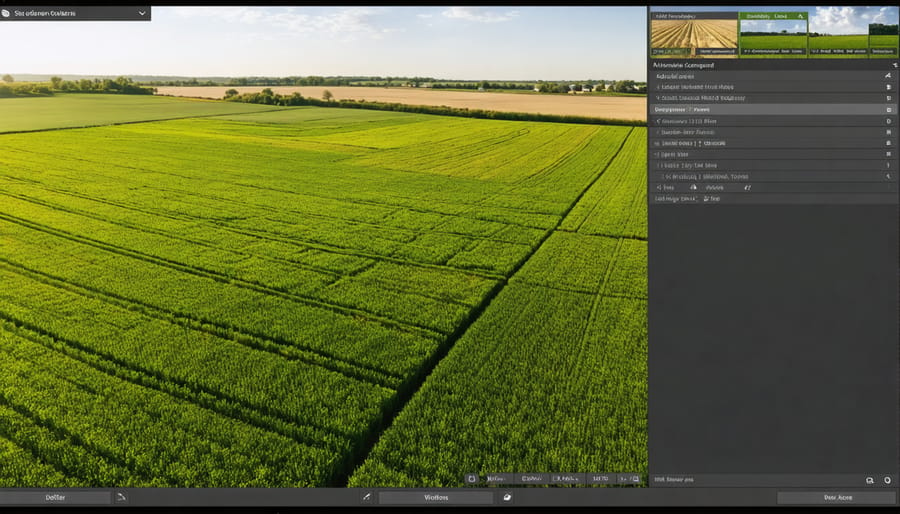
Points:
(773, 339)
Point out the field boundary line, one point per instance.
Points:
(478, 203)
(356, 201)
(216, 276)
(27, 449)
(261, 342)
(162, 233)
(598, 294)
(65, 435)
(307, 245)
(219, 403)
(601, 234)
(594, 208)
(113, 124)
(414, 384)
(596, 178)
(546, 170)
(337, 276)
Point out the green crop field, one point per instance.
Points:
(839, 41)
(83, 110)
(843, 42)
(243, 295)
(768, 42)
(883, 41)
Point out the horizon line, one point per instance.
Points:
(301, 76)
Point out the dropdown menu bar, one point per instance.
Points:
(75, 13)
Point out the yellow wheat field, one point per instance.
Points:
(693, 33)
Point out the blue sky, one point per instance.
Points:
(792, 26)
(511, 43)
(823, 19)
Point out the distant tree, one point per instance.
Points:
(296, 98)
(231, 92)
(327, 96)
(546, 87)
(623, 86)
(8, 78)
(56, 82)
(484, 84)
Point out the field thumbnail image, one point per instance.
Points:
(884, 40)
(216, 294)
(840, 46)
(773, 38)
(840, 41)
(837, 35)
(693, 34)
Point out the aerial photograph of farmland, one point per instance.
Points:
(689, 35)
(847, 32)
(323, 247)
(773, 38)
(831, 46)
(884, 38)
(767, 32)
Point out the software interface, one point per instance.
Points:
(287, 256)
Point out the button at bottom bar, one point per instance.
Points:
(836, 498)
(436, 498)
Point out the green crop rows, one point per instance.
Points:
(315, 297)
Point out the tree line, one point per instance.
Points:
(312, 80)
(783, 32)
(619, 86)
(358, 81)
(121, 85)
(880, 29)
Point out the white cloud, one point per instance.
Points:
(791, 26)
(346, 23)
(838, 20)
(478, 14)
(882, 16)
(425, 16)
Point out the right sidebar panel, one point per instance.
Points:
(773, 246)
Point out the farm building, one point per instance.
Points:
(586, 89)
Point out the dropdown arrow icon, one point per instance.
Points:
(142, 12)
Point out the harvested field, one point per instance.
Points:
(694, 34)
(625, 108)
